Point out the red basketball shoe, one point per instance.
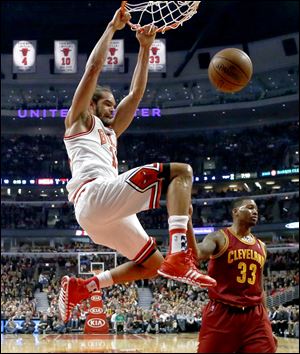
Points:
(72, 292)
(180, 266)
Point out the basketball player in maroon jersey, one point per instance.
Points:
(105, 202)
(235, 320)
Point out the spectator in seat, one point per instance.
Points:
(119, 322)
(43, 324)
(59, 326)
(153, 326)
(27, 326)
(11, 326)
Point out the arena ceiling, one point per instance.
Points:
(217, 23)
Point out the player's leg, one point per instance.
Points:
(106, 201)
(126, 236)
(179, 264)
(75, 290)
(131, 271)
(220, 331)
(258, 335)
(129, 238)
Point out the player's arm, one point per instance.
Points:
(128, 106)
(85, 90)
(211, 244)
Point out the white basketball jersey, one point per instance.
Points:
(91, 154)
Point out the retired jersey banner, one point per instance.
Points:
(24, 57)
(65, 57)
(157, 59)
(115, 56)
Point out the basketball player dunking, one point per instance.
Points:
(235, 320)
(106, 203)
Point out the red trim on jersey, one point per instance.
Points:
(155, 195)
(177, 231)
(145, 178)
(146, 251)
(69, 137)
(79, 188)
(154, 202)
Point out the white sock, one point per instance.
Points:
(105, 279)
(177, 230)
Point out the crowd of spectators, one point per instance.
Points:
(230, 151)
(28, 156)
(24, 216)
(287, 260)
(285, 320)
(17, 287)
(174, 308)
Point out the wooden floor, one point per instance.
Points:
(129, 343)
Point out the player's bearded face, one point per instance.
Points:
(106, 119)
(105, 109)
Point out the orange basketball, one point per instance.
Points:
(230, 70)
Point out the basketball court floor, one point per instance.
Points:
(128, 343)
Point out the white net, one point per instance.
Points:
(163, 14)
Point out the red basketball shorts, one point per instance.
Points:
(225, 330)
(106, 210)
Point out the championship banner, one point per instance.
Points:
(65, 57)
(115, 57)
(24, 57)
(157, 59)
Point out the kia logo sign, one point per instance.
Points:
(96, 310)
(96, 298)
(96, 323)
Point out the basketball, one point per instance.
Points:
(230, 70)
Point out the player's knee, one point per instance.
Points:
(181, 170)
(188, 171)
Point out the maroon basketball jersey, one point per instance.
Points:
(238, 269)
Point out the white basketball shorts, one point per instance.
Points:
(106, 208)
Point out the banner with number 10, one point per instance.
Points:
(65, 57)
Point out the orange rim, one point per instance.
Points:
(160, 30)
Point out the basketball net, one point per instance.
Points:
(165, 15)
(96, 321)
